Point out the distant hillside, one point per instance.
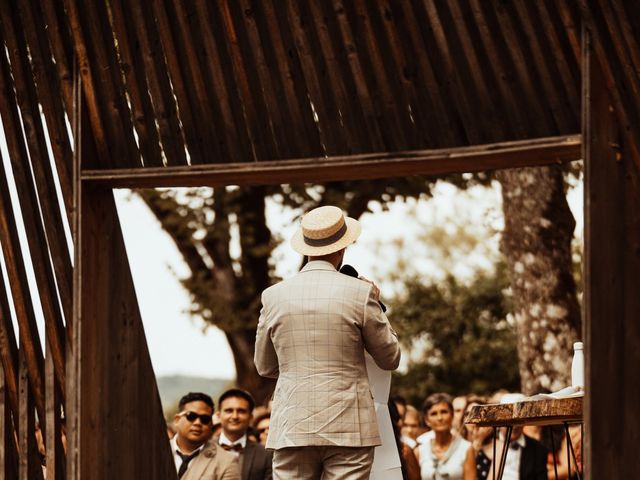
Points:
(175, 386)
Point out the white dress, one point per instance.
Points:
(449, 467)
(386, 459)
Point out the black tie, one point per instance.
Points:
(514, 445)
(185, 461)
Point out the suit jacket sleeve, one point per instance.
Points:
(380, 340)
(265, 356)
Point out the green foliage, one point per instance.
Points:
(468, 344)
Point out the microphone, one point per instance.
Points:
(352, 272)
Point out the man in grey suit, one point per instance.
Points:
(235, 409)
(313, 331)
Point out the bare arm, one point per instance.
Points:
(470, 465)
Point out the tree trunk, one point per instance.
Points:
(537, 245)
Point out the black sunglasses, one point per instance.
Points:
(191, 417)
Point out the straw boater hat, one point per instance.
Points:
(325, 230)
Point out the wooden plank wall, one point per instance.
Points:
(612, 279)
(118, 428)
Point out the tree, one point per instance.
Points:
(536, 244)
(225, 289)
(468, 341)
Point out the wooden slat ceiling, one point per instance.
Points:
(173, 83)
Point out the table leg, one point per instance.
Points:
(570, 451)
(505, 451)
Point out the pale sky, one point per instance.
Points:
(179, 344)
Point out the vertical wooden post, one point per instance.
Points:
(612, 283)
(30, 467)
(8, 453)
(116, 427)
(55, 453)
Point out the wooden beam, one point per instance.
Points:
(612, 280)
(536, 152)
(115, 405)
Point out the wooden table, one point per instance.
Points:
(535, 412)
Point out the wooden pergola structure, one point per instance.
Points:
(102, 94)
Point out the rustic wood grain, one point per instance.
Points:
(389, 164)
(538, 412)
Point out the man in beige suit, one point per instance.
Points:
(197, 456)
(312, 336)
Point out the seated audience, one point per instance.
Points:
(261, 425)
(196, 455)
(235, 407)
(408, 460)
(446, 455)
(459, 404)
(411, 426)
(481, 439)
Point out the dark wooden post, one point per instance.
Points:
(116, 424)
(612, 283)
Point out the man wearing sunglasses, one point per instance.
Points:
(196, 455)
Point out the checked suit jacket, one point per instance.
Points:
(312, 334)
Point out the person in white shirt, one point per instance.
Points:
(235, 412)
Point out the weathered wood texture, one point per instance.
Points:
(180, 82)
(115, 407)
(538, 412)
(612, 279)
(541, 151)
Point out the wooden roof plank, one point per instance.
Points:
(434, 99)
(363, 82)
(37, 246)
(178, 82)
(291, 91)
(136, 85)
(158, 83)
(61, 48)
(332, 52)
(88, 83)
(624, 98)
(568, 70)
(398, 127)
(541, 151)
(208, 128)
(108, 82)
(333, 136)
(222, 92)
(509, 101)
(465, 52)
(545, 67)
(282, 131)
(541, 121)
(254, 109)
(49, 97)
(570, 21)
(8, 344)
(449, 76)
(400, 65)
(34, 132)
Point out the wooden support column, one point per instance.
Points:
(8, 452)
(612, 283)
(116, 424)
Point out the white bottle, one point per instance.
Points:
(577, 366)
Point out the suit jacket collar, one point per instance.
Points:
(318, 265)
(199, 464)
